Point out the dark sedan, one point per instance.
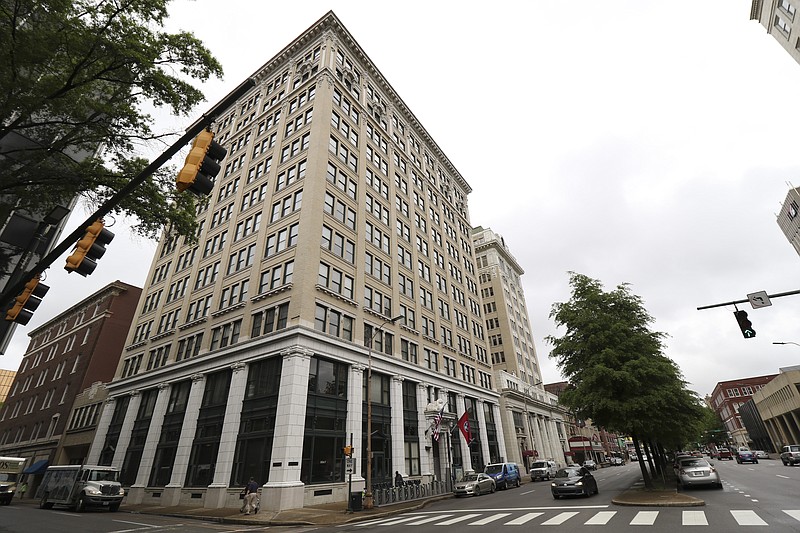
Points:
(573, 481)
(746, 456)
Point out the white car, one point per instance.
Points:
(589, 464)
(761, 454)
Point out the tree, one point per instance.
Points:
(74, 75)
(614, 363)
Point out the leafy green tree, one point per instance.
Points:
(614, 363)
(74, 77)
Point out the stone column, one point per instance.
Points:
(461, 408)
(425, 434)
(498, 425)
(355, 417)
(539, 442)
(398, 435)
(217, 492)
(172, 492)
(484, 435)
(284, 489)
(136, 493)
(127, 429)
(93, 457)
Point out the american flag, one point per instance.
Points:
(437, 422)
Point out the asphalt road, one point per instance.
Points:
(766, 495)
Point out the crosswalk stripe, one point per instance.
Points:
(457, 519)
(429, 519)
(793, 514)
(694, 518)
(601, 518)
(489, 519)
(748, 518)
(644, 518)
(522, 520)
(395, 520)
(559, 519)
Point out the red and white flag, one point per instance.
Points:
(437, 423)
(463, 425)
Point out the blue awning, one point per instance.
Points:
(37, 468)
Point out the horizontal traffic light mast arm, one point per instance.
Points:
(777, 295)
(11, 291)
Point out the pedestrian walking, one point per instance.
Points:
(250, 496)
(22, 489)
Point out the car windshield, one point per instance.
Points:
(693, 463)
(494, 469)
(794, 448)
(103, 475)
(539, 465)
(470, 477)
(568, 472)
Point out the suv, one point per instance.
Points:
(504, 474)
(790, 455)
(543, 470)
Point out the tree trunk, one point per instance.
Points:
(648, 483)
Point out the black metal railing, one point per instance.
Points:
(414, 489)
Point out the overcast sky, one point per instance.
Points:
(648, 143)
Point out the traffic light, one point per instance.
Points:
(744, 324)
(89, 249)
(27, 302)
(202, 164)
(348, 451)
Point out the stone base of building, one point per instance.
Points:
(135, 495)
(282, 496)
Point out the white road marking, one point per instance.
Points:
(601, 518)
(522, 520)
(489, 519)
(694, 518)
(644, 518)
(528, 491)
(429, 519)
(784, 477)
(559, 519)
(457, 519)
(748, 518)
(793, 514)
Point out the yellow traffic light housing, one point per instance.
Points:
(348, 451)
(26, 303)
(89, 249)
(201, 165)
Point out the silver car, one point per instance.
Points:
(761, 454)
(474, 484)
(693, 471)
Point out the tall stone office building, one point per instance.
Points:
(538, 421)
(334, 213)
(780, 19)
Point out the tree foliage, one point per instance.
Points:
(614, 364)
(74, 75)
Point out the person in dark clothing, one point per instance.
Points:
(398, 479)
(250, 496)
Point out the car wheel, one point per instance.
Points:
(81, 505)
(719, 485)
(547, 477)
(596, 490)
(785, 463)
(755, 462)
(517, 482)
(113, 508)
(476, 491)
(556, 496)
(492, 489)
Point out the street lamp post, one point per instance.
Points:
(368, 500)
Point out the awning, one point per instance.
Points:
(37, 468)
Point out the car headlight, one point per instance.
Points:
(121, 491)
(92, 490)
(553, 484)
(579, 483)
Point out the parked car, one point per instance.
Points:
(573, 481)
(589, 464)
(761, 454)
(790, 455)
(474, 484)
(617, 461)
(543, 470)
(504, 474)
(746, 456)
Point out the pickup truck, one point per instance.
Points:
(790, 455)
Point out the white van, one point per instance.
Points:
(543, 470)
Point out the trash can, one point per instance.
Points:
(356, 503)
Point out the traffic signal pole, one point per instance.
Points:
(14, 289)
(734, 302)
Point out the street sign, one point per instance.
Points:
(349, 466)
(759, 299)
